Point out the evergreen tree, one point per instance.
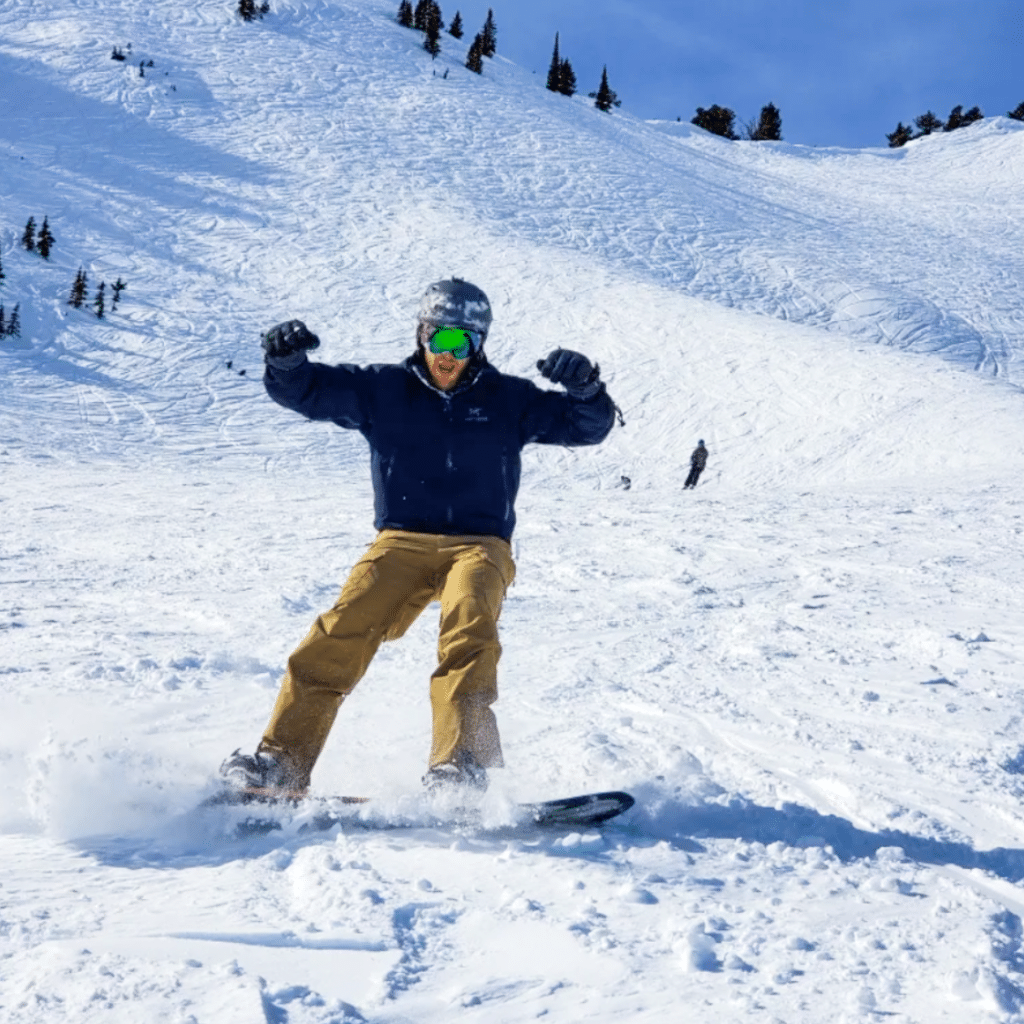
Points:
(561, 77)
(2, 274)
(927, 123)
(432, 43)
(456, 28)
(14, 324)
(45, 240)
(489, 38)
(1018, 114)
(717, 120)
(419, 18)
(555, 69)
(566, 79)
(117, 287)
(475, 57)
(955, 120)
(249, 11)
(405, 14)
(78, 290)
(28, 239)
(958, 119)
(98, 303)
(900, 137)
(769, 126)
(604, 99)
(3, 325)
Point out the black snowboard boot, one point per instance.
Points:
(256, 771)
(461, 772)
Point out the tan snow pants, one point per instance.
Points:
(400, 574)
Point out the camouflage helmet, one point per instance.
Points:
(456, 303)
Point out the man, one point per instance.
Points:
(698, 459)
(445, 431)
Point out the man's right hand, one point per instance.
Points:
(285, 345)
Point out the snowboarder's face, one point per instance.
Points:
(445, 369)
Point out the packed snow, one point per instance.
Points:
(809, 671)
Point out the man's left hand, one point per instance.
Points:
(573, 371)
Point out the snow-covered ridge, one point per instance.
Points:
(321, 162)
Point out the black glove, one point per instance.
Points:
(573, 371)
(285, 345)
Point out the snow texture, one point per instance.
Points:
(809, 671)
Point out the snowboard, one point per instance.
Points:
(270, 813)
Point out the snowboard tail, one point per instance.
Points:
(588, 809)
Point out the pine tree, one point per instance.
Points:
(405, 14)
(566, 79)
(14, 324)
(489, 40)
(958, 119)
(28, 239)
(717, 120)
(475, 57)
(456, 28)
(604, 99)
(1017, 114)
(117, 287)
(2, 274)
(769, 126)
(98, 303)
(425, 11)
(432, 22)
(78, 290)
(3, 326)
(900, 137)
(927, 123)
(249, 11)
(955, 120)
(45, 240)
(555, 70)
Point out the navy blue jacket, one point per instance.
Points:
(442, 462)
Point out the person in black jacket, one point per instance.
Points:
(445, 431)
(698, 459)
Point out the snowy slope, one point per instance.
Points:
(809, 671)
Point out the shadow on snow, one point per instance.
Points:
(798, 826)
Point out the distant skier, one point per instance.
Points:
(698, 460)
(445, 431)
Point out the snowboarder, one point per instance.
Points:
(445, 431)
(698, 459)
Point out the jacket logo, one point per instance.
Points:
(476, 416)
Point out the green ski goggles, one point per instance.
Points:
(460, 341)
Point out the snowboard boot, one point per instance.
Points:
(462, 772)
(256, 772)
